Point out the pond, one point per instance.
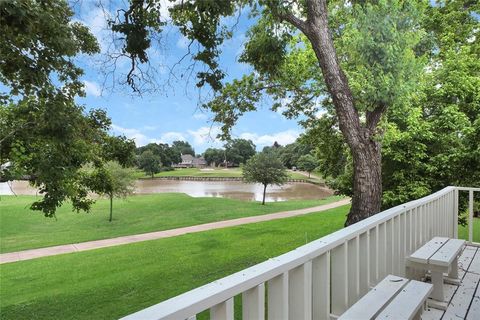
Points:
(227, 189)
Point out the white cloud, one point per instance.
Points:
(283, 137)
(182, 42)
(169, 137)
(205, 135)
(92, 88)
(131, 133)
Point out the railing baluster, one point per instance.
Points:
(353, 270)
(403, 248)
(222, 311)
(278, 297)
(253, 303)
(455, 214)
(364, 263)
(339, 282)
(388, 247)
(300, 292)
(373, 244)
(321, 287)
(382, 250)
(470, 216)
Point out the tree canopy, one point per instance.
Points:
(265, 168)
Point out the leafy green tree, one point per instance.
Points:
(265, 168)
(112, 180)
(214, 156)
(168, 155)
(120, 149)
(44, 133)
(238, 151)
(183, 147)
(307, 163)
(149, 162)
(360, 55)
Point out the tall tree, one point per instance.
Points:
(239, 150)
(149, 162)
(183, 147)
(360, 54)
(44, 133)
(265, 168)
(307, 163)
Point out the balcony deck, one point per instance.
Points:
(464, 300)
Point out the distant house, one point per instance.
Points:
(189, 161)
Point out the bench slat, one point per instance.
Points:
(427, 250)
(408, 302)
(373, 302)
(447, 253)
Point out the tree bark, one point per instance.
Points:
(264, 192)
(367, 184)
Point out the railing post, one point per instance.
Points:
(222, 311)
(455, 214)
(470, 216)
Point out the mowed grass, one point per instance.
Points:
(216, 173)
(113, 282)
(21, 228)
(463, 231)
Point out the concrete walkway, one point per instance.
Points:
(90, 245)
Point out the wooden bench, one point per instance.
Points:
(393, 298)
(439, 256)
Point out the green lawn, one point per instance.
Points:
(113, 282)
(195, 172)
(21, 228)
(463, 231)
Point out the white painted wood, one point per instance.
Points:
(447, 253)
(339, 279)
(300, 292)
(382, 251)
(458, 307)
(205, 297)
(321, 287)
(403, 249)
(408, 302)
(373, 262)
(222, 311)
(474, 310)
(470, 216)
(364, 264)
(455, 214)
(475, 265)
(427, 250)
(278, 297)
(353, 271)
(465, 260)
(389, 247)
(437, 281)
(373, 302)
(192, 318)
(253, 303)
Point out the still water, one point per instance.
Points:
(227, 189)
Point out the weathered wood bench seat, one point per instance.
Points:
(393, 298)
(439, 256)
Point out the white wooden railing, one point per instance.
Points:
(321, 279)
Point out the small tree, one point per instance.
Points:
(265, 168)
(112, 180)
(149, 162)
(307, 163)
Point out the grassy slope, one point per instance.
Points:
(21, 228)
(112, 282)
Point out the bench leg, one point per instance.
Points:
(454, 269)
(437, 281)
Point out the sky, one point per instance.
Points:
(172, 112)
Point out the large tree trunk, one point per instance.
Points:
(367, 187)
(367, 181)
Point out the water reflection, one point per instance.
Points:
(235, 190)
(227, 189)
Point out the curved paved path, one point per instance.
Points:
(95, 244)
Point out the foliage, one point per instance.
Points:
(307, 163)
(168, 155)
(111, 180)
(265, 168)
(214, 156)
(183, 147)
(149, 162)
(238, 151)
(120, 149)
(44, 134)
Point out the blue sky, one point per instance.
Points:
(172, 113)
